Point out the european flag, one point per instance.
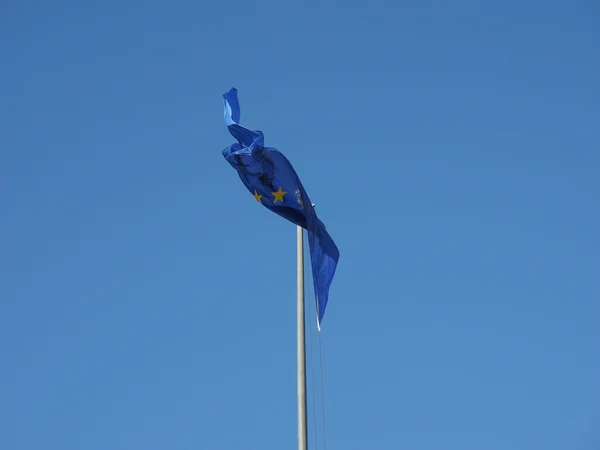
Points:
(273, 182)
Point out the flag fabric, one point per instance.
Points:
(273, 182)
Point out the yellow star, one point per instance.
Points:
(257, 197)
(278, 195)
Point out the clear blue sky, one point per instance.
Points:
(452, 148)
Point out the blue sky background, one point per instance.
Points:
(453, 150)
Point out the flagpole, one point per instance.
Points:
(302, 422)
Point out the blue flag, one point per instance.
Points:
(273, 182)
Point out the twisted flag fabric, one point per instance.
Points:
(273, 182)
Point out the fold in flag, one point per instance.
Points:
(273, 182)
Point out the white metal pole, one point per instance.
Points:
(302, 421)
